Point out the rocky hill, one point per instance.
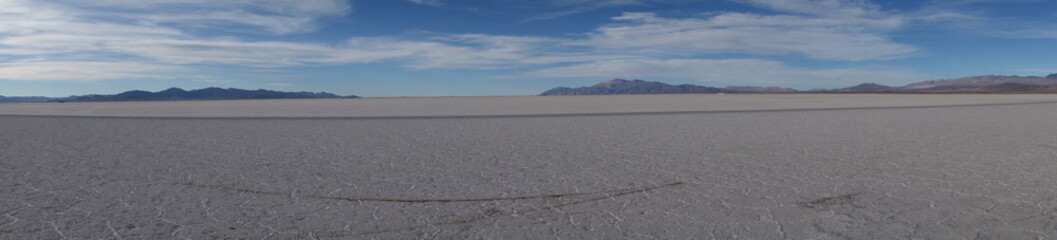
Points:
(866, 87)
(203, 94)
(621, 86)
(977, 84)
(751, 89)
(24, 99)
(991, 81)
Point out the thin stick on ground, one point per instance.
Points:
(441, 200)
(597, 196)
(516, 213)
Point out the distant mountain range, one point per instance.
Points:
(621, 86)
(982, 84)
(977, 84)
(751, 89)
(180, 94)
(24, 99)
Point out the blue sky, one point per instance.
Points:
(380, 48)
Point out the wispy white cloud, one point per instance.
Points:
(109, 34)
(742, 71)
(43, 29)
(256, 54)
(816, 37)
(427, 2)
(562, 8)
(832, 8)
(284, 7)
(93, 40)
(482, 51)
(276, 16)
(821, 29)
(977, 25)
(465, 51)
(210, 80)
(457, 51)
(35, 28)
(83, 71)
(975, 17)
(597, 2)
(571, 7)
(38, 27)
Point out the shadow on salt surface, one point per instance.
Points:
(563, 200)
(825, 203)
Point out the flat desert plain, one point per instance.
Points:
(842, 166)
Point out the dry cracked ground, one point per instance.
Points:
(942, 172)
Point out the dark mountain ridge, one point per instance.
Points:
(866, 87)
(752, 89)
(621, 86)
(212, 93)
(24, 99)
(976, 84)
(981, 84)
(989, 81)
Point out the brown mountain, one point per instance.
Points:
(1025, 89)
(866, 87)
(751, 89)
(24, 99)
(983, 82)
(977, 84)
(621, 86)
(202, 94)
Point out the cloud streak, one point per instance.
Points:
(160, 35)
(853, 39)
(275, 16)
(829, 8)
(108, 34)
(85, 71)
(972, 17)
(581, 6)
(427, 2)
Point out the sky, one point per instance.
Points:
(391, 48)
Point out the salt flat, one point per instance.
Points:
(598, 167)
(502, 106)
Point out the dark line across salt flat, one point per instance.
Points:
(599, 114)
